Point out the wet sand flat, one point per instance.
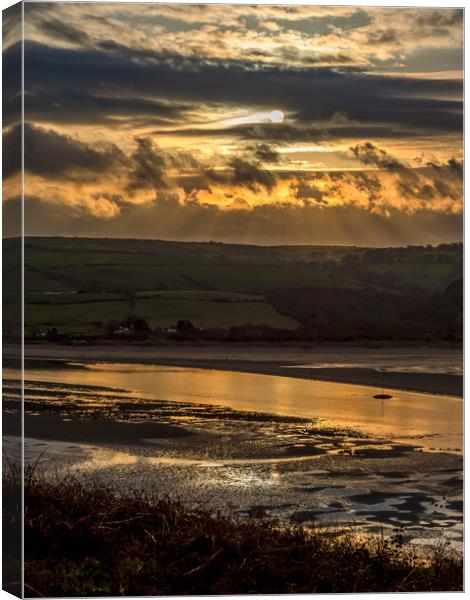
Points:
(288, 468)
(241, 441)
(418, 495)
(54, 427)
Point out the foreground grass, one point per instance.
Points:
(89, 542)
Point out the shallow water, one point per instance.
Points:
(297, 450)
(437, 421)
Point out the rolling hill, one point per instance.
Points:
(80, 285)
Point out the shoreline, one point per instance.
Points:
(276, 361)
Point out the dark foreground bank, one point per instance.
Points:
(90, 542)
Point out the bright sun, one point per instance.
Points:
(277, 116)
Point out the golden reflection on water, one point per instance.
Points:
(275, 477)
(418, 412)
(240, 472)
(405, 415)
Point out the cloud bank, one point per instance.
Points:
(157, 116)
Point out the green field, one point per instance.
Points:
(92, 312)
(86, 272)
(112, 265)
(64, 264)
(80, 285)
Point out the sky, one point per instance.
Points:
(237, 123)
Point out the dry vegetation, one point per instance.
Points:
(91, 542)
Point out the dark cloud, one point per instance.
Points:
(149, 166)
(444, 189)
(369, 154)
(12, 152)
(182, 159)
(12, 67)
(65, 107)
(398, 102)
(63, 31)
(428, 183)
(440, 18)
(250, 174)
(447, 179)
(265, 153)
(366, 182)
(383, 36)
(426, 24)
(456, 166)
(305, 192)
(286, 132)
(309, 94)
(11, 25)
(322, 25)
(238, 171)
(294, 54)
(50, 154)
(105, 83)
